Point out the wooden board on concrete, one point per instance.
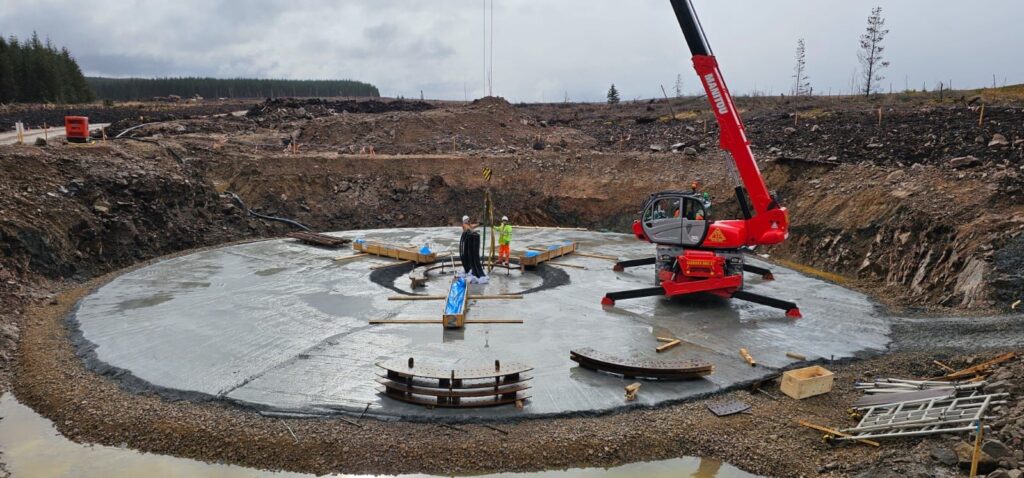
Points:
(526, 260)
(393, 251)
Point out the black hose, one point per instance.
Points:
(252, 213)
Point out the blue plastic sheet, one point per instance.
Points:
(456, 296)
(424, 250)
(532, 253)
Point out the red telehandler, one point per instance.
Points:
(696, 254)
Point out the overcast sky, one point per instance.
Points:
(543, 50)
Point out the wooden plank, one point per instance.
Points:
(483, 371)
(405, 321)
(394, 252)
(461, 404)
(747, 357)
(597, 256)
(465, 384)
(665, 339)
(944, 366)
(668, 345)
(976, 454)
(439, 321)
(977, 369)
(437, 391)
(547, 255)
(560, 264)
(348, 258)
(442, 297)
(834, 432)
(796, 356)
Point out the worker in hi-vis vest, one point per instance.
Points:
(504, 233)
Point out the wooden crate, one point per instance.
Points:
(806, 382)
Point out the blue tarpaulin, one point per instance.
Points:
(532, 253)
(456, 297)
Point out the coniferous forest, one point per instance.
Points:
(122, 89)
(36, 71)
(33, 71)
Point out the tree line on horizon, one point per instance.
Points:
(34, 71)
(126, 89)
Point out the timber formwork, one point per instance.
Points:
(395, 252)
(641, 368)
(544, 255)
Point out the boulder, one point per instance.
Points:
(789, 130)
(964, 162)
(996, 449)
(964, 452)
(1000, 473)
(998, 140)
(895, 175)
(944, 455)
(657, 148)
(1001, 386)
(690, 151)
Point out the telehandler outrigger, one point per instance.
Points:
(696, 254)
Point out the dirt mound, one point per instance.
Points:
(488, 124)
(290, 109)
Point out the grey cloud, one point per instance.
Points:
(542, 50)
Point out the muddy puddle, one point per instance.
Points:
(31, 447)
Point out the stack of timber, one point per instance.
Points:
(434, 386)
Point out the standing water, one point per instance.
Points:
(32, 447)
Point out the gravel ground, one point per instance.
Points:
(89, 408)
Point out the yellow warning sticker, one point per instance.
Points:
(716, 236)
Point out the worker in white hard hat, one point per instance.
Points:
(504, 234)
(466, 225)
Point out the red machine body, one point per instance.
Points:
(697, 254)
(76, 128)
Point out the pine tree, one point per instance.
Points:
(7, 90)
(801, 85)
(870, 54)
(679, 86)
(613, 95)
(36, 71)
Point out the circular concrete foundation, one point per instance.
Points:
(281, 326)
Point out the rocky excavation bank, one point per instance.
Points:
(915, 221)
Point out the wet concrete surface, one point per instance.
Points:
(31, 447)
(280, 326)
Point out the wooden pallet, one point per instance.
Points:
(641, 368)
